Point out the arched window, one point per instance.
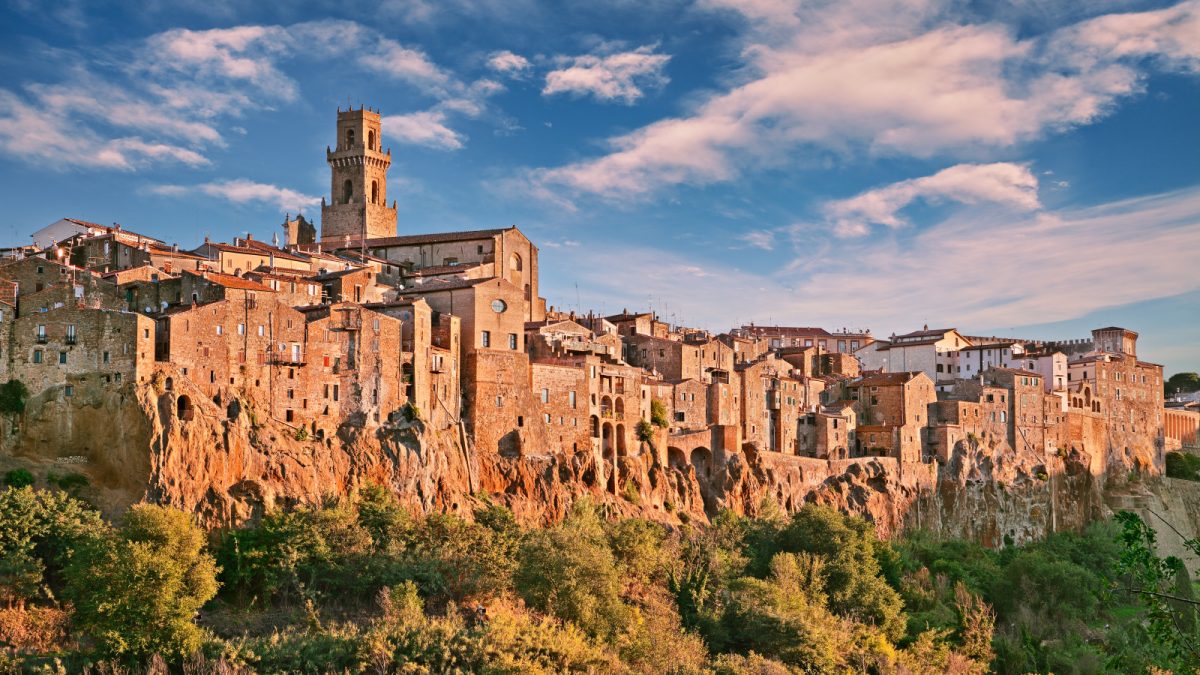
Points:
(347, 191)
(349, 138)
(371, 139)
(374, 192)
(514, 263)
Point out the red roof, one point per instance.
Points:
(230, 281)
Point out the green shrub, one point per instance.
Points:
(13, 395)
(645, 431)
(301, 434)
(658, 414)
(18, 478)
(72, 482)
(1183, 465)
(569, 571)
(136, 590)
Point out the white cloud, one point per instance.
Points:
(622, 76)
(508, 63)
(176, 89)
(27, 131)
(242, 191)
(426, 128)
(973, 269)
(1006, 184)
(764, 239)
(866, 77)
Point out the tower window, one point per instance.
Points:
(347, 191)
(349, 138)
(371, 139)
(374, 192)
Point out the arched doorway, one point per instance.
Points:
(183, 408)
(676, 460)
(619, 409)
(702, 461)
(621, 439)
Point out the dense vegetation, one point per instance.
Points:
(1182, 383)
(1183, 465)
(364, 586)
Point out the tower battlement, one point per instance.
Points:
(357, 207)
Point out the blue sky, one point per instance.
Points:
(1026, 168)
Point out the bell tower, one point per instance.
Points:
(358, 167)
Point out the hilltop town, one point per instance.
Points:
(235, 376)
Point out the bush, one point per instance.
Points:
(645, 431)
(13, 395)
(1183, 465)
(658, 414)
(39, 530)
(137, 591)
(301, 434)
(18, 478)
(569, 571)
(72, 482)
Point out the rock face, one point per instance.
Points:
(226, 460)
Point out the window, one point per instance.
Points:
(486, 338)
(62, 358)
(104, 357)
(71, 334)
(69, 391)
(512, 341)
(545, 395)
(37, 356)
(679, 416)
(241, 329)
(41, 332)
(499, 401)
(335, 392)
(572, 397)
(349, 137)
(220, 329)
(546, 417)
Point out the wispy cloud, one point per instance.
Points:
(242, 191)
(422, 128)
(763, 239)
(976, 268)
(1003, 183)
(868, 77)
(621, 76)
(168, 97)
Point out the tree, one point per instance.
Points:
(569, 571)
(13, 395)
(1155, 582)
(39, 529)
(854, 581)
(1182, 383)
(137, 591)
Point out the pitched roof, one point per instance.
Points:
(230, 281)
(877, 379)
(925, 333)
(435, 284)
(414, 239)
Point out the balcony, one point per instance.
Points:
(71, 339)
(286, 359)
(347, 321)
(41, 339)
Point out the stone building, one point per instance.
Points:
(924, 350)
(780, 337)
(893, 411)
(358, 167)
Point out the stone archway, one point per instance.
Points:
(676, 459)
(702, 462)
